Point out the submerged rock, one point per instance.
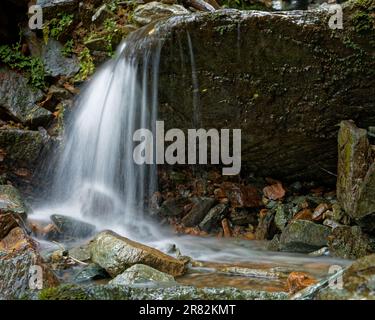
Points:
(144, 14)
(304, 236)
(19, 260)
(12, 209)
(18, 99)
(115, 254)
(350, 243)
(141, 273)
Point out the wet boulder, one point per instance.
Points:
(12, 209)
(18, 100)
(90, 272)
(304, 236)
(51, 8)
(142, 274)
(350, 243)
(115, 254)
(19, 261)
(144, 14)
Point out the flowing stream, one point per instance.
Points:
(96, 179)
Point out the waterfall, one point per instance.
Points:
(96, 178)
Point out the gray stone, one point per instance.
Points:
(142, 274)
(89, 273)
(69, 228)
(145, 14)
(55, 63)
(304, 236)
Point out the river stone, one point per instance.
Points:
(90, 272)
(70, 228)
(12, 209)
(284, 213)
(304, 236)
(201, 206)
(18, 99)
(266, 227)
(358, 282)
(55, 63)
(116, 292)
(213, 217)
(22, 148)
(350, 243)
(115, 254)
(81, 253)
(19, 259)
(141, 273)
(145, 14)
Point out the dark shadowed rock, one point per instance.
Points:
(115, 254)
(70, 229)
(200, 208)
(90, 272)
(304, 236)
(174, 206)
(350, 243)
(18, 259)
(18, 99)
(213, 217)
(266, 228)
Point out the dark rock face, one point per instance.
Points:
(303, 236)
(18, 99)
(12, 12)
(52, 7)
(213, 217)
(350, 243)
(293, 78)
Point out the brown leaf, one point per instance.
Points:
(299, 280)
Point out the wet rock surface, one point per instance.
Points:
(115, 254)
(68, 228)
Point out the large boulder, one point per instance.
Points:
(51, 8)
(70, 229)
(200, 208)
(12, 210)
(304, 236)
(20, 261)
(115, 254)
(285, 79)
(18, 99)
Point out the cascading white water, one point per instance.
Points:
(96, 178)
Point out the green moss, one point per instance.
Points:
(15, 59)
(63, 292)
(363, 22)
(57, 26)
(86, 63)
(225, 28)
(68, 48)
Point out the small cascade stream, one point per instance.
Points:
(97, 181)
